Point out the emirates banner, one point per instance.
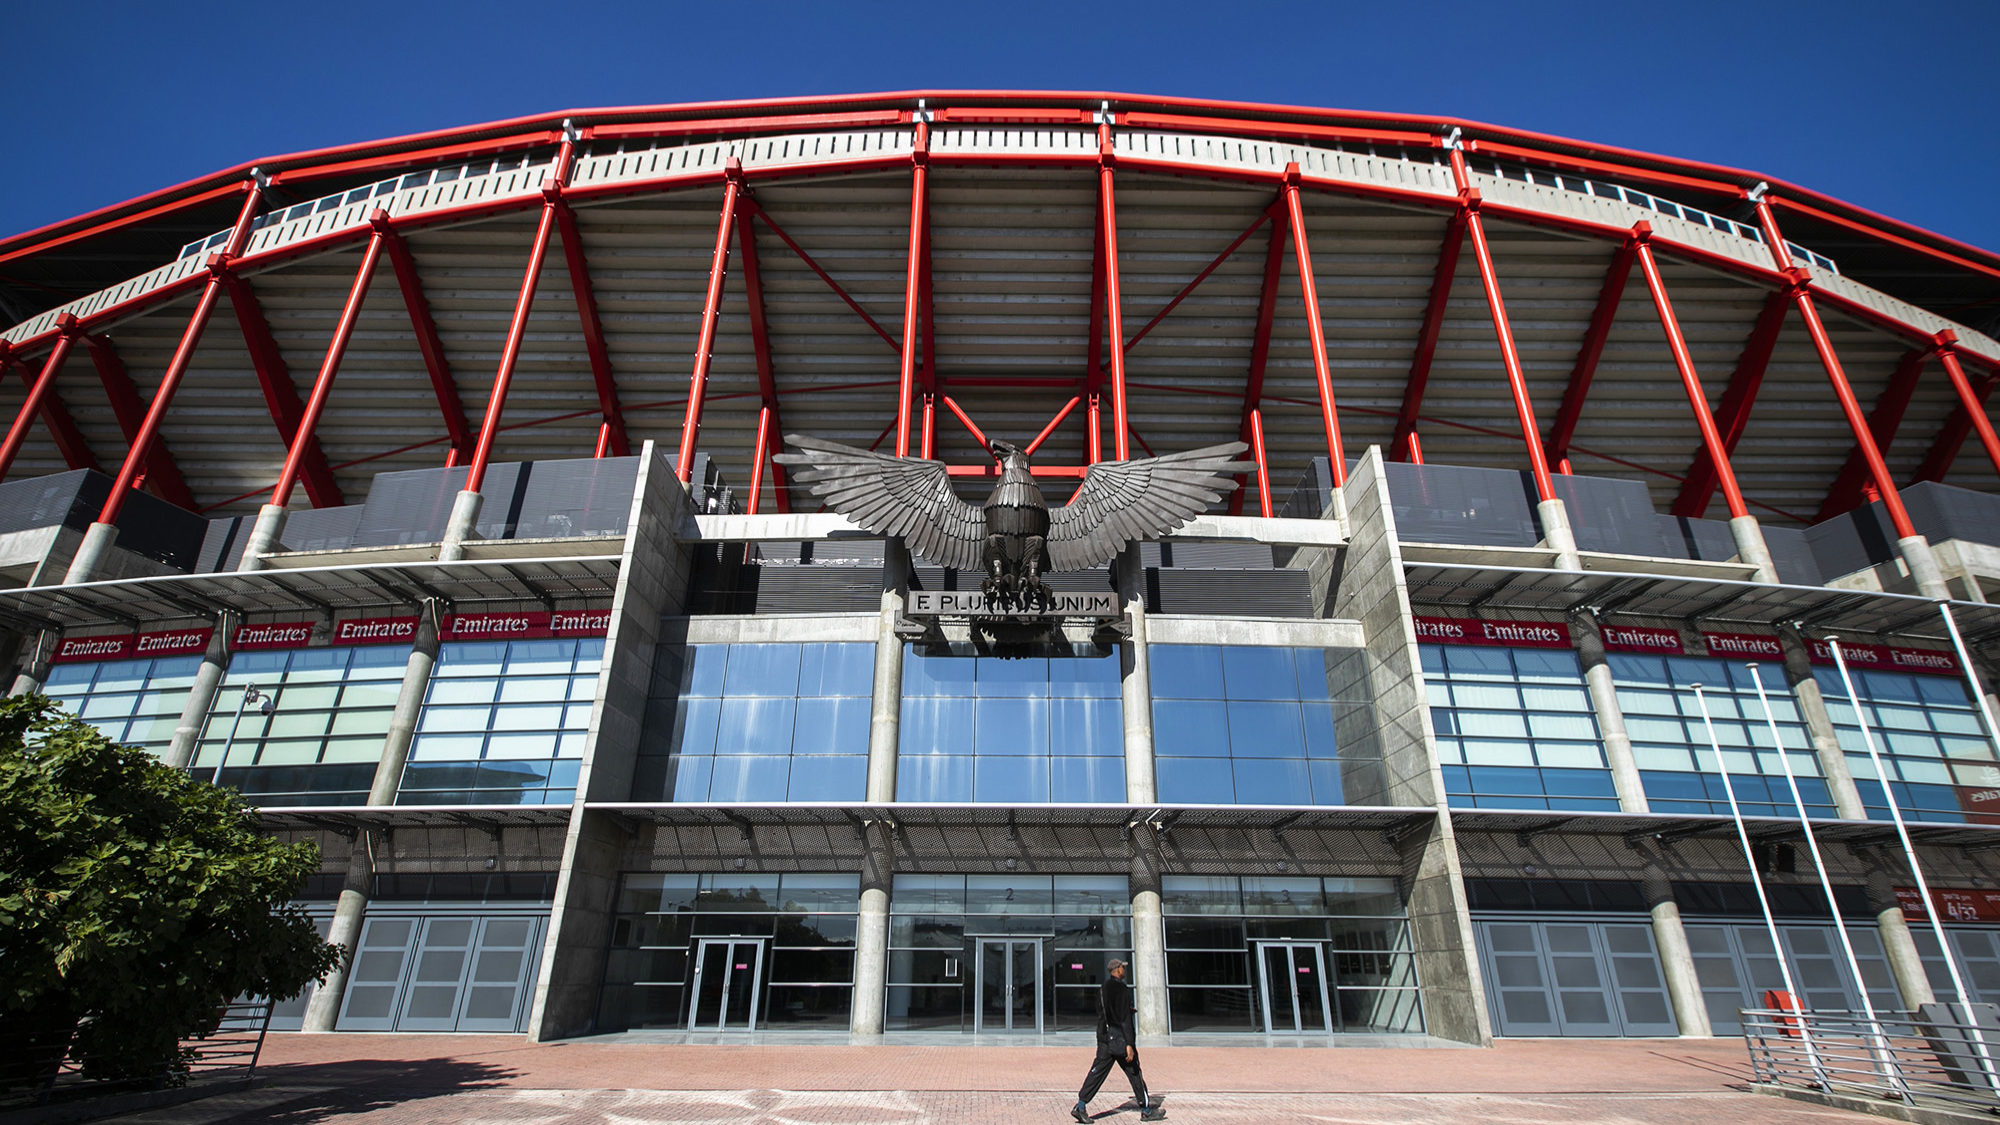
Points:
(271, 635)
(1886, 658)
(1759, 646)
(375, 631)
(127, 646)
(1952, 904)
(536, 625)
(1499, 634)
(1634, 638)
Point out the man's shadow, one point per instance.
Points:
(327, 1091)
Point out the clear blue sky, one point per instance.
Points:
(1886, 105)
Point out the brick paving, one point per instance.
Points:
(463, 1080)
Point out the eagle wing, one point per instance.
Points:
(901, 496)
(1126, 501)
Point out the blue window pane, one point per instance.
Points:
(564, 773)
(1186, 672)
(1088, 780)
(1090, 677)
(831, 726)
(1432, 657)
(1271, 781)
(755, 726)
(1012, 727)
(1086, 728)
(533, 658)
(1266, 730)
(1027, 676)
(1258, 673)
(690, 779)
(1318, 721)
(750, 778)
(1013, 781)
(1326, 782)
(837, 669)
(1190, 727)
(935, 675)
(936, 777)
(1478, 662)
(702, 674)
(829, 779)
(694, 725)
(771, 670)
(1195, 781)
(1505, 779)
(1457, 779)
(1311, 664)
(1579, 783)
(471, 659)
(934, 725)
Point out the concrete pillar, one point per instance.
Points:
(871, 936)
(264, 536)
(1589, 641)
(35, 670)
(1751, 548)
(1136, 681)
(1676, 956)
(201, 695)
(91, 553)
(1923, 564)
(462, 525)
(1826, 740)
(886, 719)
(409, 704)
(1906, 965)
(1149, 937)
(1557, 535)
(323, 1008)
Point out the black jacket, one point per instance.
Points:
(1114, 1013)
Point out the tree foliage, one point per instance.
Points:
(133, 899)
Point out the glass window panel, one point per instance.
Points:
(1186, 671)
(695, 722)
(1318, 721)
(745, 777)
(936, 725)
(1265, 730)
(1089, 781)
(1086, 677)
(1195, 781)
(754, 726)
(1024, 676)
(831, 726)
(925, 675)
(454, 718)
(1009, 894)
(1311, 664)
(934, 777)
(533, 689)
(447, 747)
(771, 670)
(1086, 727)
(463, 659)
(837, 669)
(1271, 781)
(1012, 727)
(829, 778)
(1011, 780)
(520, 746)
(1562, 726)
(703, 669)
(381, 693)
(1256, 672)
(373, 721)
(544, 657)
(1190, 727)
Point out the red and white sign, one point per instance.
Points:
(126, 646)
(1634, 638)
(1886, 658)
(1952, 904)
(1504, 634)
(1980, 803)
(272, 635)
(524, 626)
(375, 631)
(1759, 645)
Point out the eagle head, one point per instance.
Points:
(1002, 450)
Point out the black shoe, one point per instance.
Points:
(1154, 1111)
(1078, 1112)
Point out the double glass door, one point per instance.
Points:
(1009, 985)
(728, 979)
(1292, 976)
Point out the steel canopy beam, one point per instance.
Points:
(1403, 444)
(912, 283)
(612, 439)
(280, 395)
(1970, 405)
(63, 430)
(1093, 380)
(770, 430)
(163, 474)
(1114, 308)
(711, 309)
(38, 391)
(1733, 414)
(304, 443)
(429, 344)
(1851, 483)
(1309, 294)
(1510, 358)
(1642, 235)
(1602, 317)
(1252, 422)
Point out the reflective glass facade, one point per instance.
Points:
(1515, 729)
(136, 702)
(1246, 725)
(503, 723)
(321, 743)
(758, 722)
(1929, 735)
(1047, 725)
(1677, 764)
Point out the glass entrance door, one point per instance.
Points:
(1294, 983)
(1009, 985)
(728, 978)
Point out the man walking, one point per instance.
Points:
(1117, 1042)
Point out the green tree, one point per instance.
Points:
(133, 901)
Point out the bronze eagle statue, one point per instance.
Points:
(1015, 536)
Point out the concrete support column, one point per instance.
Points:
(201, 695)
(1149, 937)
(462, 526)
(1676, 956)
(1136, 680)
(91, 553)
(1589, 641)
(323, 1008)
(35, 670)
(1557, 535)
(264, 536)
(1924, 570)
(1826, 740)
(871, 936)
(1751, 548)
(885, 720)
(1906, 965)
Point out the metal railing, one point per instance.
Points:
(227, 1053)
(1903, 1057)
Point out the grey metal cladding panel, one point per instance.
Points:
(1612, 515)
(1215, 556)
(1454, 504)
(1230, 593)
(523, 500)
(1792, 554)
(321, 529)
(1943, 511)
(222, 546)
(814, 589)
(1705, 540)
(69, 499)
(161, 531)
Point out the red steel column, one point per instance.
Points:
(163, 476)
(770, 429)
(611, 434)
(1850, 488)
(1403, 444)
(336, 348)
(912, 285)
(1594, 338)
(1114, 308)
(429, 345)
(711, 309)
(1263, 466)
(1093, 450)
(1260, 348)
(1309, 292)
(37, 391)
(757, 459)
(177, 367)
(1733, 414)
(1711, 440)
(1947, 351)
(1510, 358)
(510, 352)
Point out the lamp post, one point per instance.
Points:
(265, 705)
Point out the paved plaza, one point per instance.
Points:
(448, 1080)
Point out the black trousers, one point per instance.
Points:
(1100, 1068)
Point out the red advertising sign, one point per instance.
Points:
(1757, 645)
(375, 631)
(526, 625)
(1952, 904)
(272, 635)
(1633, 638)
(173, 642)
(580, 622)
(1886, 658)
(1981, 803)
(1504, 634)
(76, 650)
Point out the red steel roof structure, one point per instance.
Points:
(1100, 275)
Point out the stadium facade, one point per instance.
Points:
(423, 491)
